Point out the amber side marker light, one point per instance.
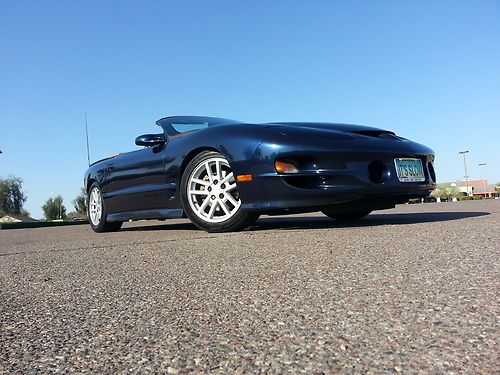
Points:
(244, 178)
(284, 167)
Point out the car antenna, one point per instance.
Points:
(87, 135)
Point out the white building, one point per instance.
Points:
(17, 219)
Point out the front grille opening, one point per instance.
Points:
(304, 182)
(378, 172)
(319, 181)
(432, 172)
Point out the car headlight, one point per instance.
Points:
(285, 167)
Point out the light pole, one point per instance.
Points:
(60, 204)
(484, 179)
(465, 169)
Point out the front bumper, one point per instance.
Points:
(335, 178)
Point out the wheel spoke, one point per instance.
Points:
(204, 205)
(209, 172)
(233, 201)
(227, 178)
(201, 182)
(217, 170)
(224, 207)
(198, 192)
(212, 209)
(230, 187)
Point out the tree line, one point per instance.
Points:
(12, 199)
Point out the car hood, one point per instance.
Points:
(330, 131)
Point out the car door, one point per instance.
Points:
(136, 181)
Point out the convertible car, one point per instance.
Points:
(223, 174)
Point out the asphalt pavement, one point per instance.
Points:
(414, 289)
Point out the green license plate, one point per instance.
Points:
(409, 170)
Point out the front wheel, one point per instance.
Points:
(210, 197)
(346, 216)
(96, 212)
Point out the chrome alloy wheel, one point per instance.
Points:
(212, 191)
(95, 206)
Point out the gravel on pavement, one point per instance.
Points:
(414, 289)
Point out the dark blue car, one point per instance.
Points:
(222, 174)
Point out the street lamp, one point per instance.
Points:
(465, 169)
(484, 179)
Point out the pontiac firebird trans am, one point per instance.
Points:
(222, 174)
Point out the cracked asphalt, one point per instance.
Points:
(409, 290)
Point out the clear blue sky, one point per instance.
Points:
(429, 70)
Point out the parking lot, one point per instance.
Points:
(413, 289)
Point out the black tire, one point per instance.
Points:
(346, 216)
(102, 225)
(240, 219)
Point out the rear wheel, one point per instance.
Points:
(96, 212)
(346, 216)
(210, 197)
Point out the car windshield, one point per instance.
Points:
(182, 124)
(183, 128)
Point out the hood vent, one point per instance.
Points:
(378, 134)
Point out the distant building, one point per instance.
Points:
(448, 191)
(477, 188)
(17, 219)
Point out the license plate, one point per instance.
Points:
(409, 170)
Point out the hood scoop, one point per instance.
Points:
(306, 132)
(384, 134)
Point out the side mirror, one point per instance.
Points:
(148, 140)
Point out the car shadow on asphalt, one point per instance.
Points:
(320, 222)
